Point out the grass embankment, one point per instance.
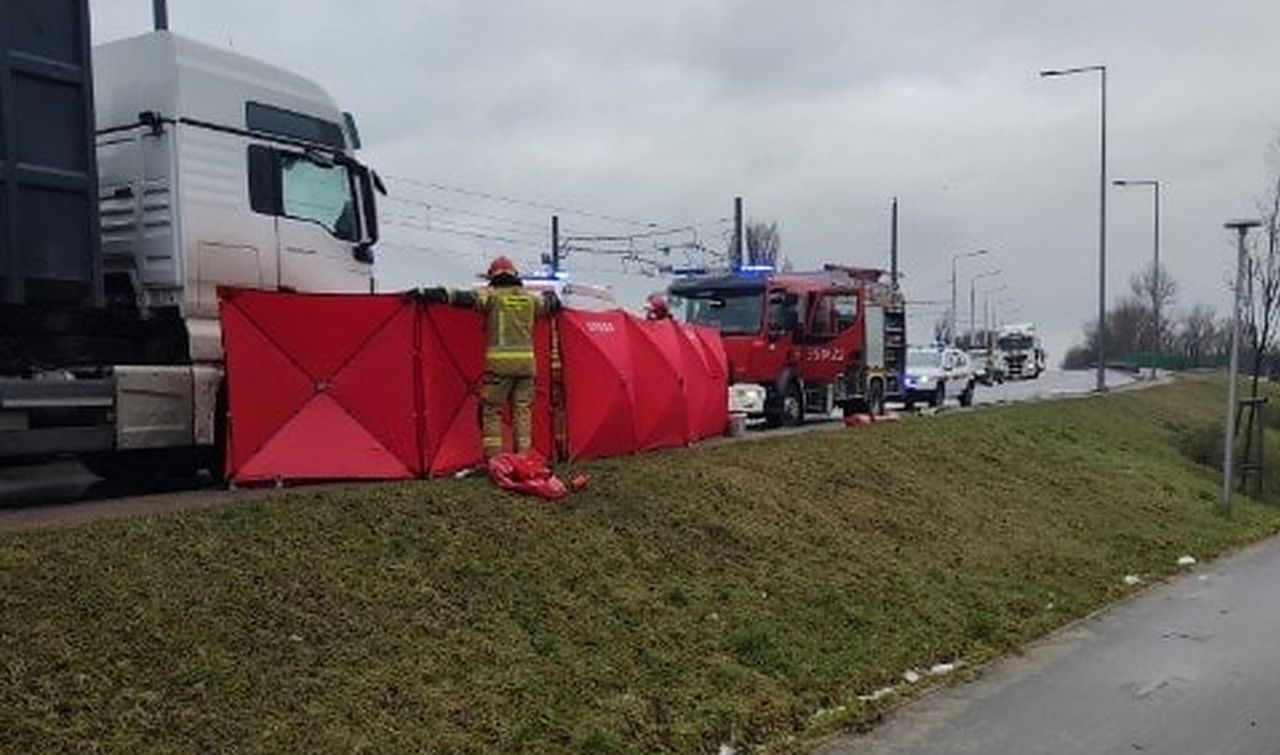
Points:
(686, 599)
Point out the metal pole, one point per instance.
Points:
(1241, 227)
(1155, 271)
(951, 336)
(1102, 219)
(735, 260)
(986, 320)
(160, 11)
(893, 246)
(1102, 244)
(972, 325)
(555, 244)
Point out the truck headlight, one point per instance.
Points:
(746, 398)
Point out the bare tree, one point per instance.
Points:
(1264, 278)
(1157, 293)
(764, 243)
(1199, 336)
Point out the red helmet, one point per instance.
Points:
(501, 265)
(657, 305)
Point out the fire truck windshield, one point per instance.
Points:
(730, 312)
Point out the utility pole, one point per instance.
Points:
(555, 244)
(160, 11)
(1155, 265)
(954, 314)
(1241, 227)
(736, 257)
(893, 246)
(973, 327)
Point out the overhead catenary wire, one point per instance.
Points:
(425, 224)
(516, 201)
(476, 234)
(449, 210)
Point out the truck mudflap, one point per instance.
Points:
(130, 408)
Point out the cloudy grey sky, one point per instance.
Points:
(817, 112)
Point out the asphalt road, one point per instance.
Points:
(62, 483)
(1052, 384)
(1189, 667)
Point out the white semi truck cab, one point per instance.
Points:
(213, 169)
(1022, 351)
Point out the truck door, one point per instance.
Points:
(832, 338)
(319, 226)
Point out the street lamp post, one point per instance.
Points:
(1102, 219)
(1155, 259)
(972, 309)
(1241, 227)
(954, 259)
(987, 321)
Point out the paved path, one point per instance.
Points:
(1189, 667)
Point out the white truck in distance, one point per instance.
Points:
(1023, 354)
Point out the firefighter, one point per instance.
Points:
(656, 308)
(510, 311)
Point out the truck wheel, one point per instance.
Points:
(966, 398)
(785, 409)
(792, 406)
(939, 396)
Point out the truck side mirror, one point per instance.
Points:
(369, 208)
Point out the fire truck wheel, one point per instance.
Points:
(792, 406)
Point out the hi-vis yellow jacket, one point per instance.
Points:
(510, 312)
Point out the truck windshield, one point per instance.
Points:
(730, 312)
(1014, 342)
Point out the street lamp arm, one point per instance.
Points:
(1071, 71)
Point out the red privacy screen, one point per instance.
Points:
(351, 386)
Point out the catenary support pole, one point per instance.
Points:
(739, 240)
(893, 246)
(555, 244)
(160, 12)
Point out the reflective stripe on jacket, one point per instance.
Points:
(510, 313)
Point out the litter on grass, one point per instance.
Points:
(879, 694)
(824, 712)
(1132, 579)
(1186, 561)
(938, 669)
(911, 675)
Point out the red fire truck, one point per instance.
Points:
(802, 343)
